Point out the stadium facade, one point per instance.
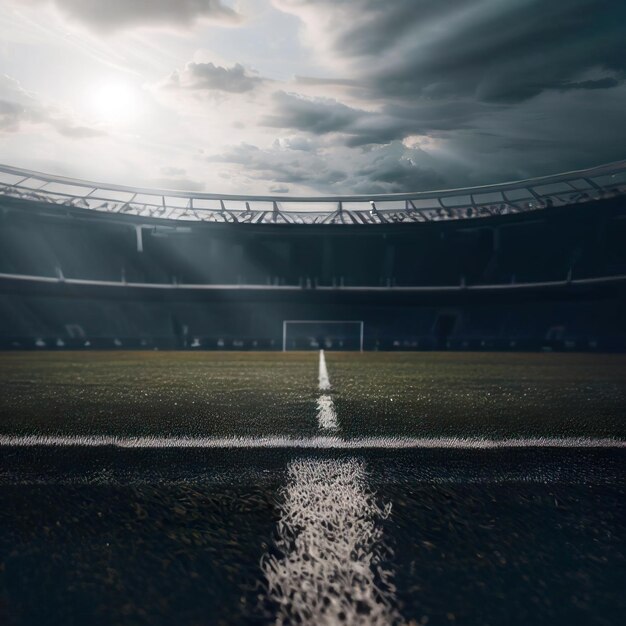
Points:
(535, 264)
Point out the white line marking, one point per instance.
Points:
(326, 413)
(321, 442)
(329, 538)
(324, 381)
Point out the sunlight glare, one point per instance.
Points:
(115, 103)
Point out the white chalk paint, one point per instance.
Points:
(320, 442)
(328, 569)
(324, 381)
(326, 413)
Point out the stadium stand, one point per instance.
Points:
(539, 264)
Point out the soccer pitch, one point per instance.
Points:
(259, 394)
(374, 488)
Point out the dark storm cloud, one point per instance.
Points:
(432, 67)
(441, 93)
(325, 116)
(385, 169)
(600, 83)
(491, 50)
(425, 117)
(358, 127)
(111, 15)
(436, 93)
(395, 169)
(208, 76)
(544, 135)
(556, 131)
(317, 116)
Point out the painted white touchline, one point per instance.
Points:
(318, 442)
(326, 413)
(328, 569)
(324, 381)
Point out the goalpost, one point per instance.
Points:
(360, 324)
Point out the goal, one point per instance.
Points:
(331, 334)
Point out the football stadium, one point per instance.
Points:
(399, 409)
(534, 265)
(312, 313)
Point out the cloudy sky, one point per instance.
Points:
(311, 96)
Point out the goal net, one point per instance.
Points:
(323, 335)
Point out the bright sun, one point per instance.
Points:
(114, 102)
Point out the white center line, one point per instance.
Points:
(326, 414)
(324, 381)
(328, 570)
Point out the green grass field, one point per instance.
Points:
(250, 394)
(176, 393)
(157, 535)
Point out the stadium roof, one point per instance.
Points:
(532, 194)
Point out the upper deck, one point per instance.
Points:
(604, 181)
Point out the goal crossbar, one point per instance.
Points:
(359, 322)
